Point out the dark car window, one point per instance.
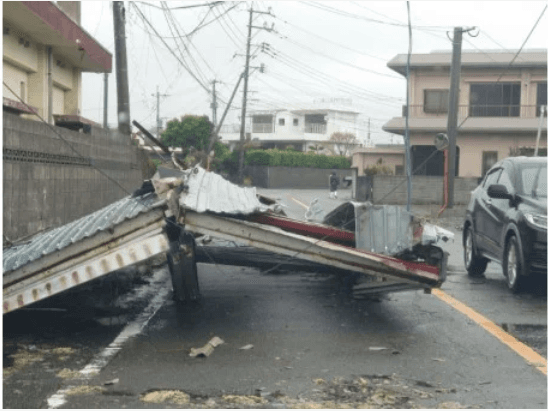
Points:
(528, 176)
(491, 178)
(540, 190)
(506, 180)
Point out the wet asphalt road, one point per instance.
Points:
(310, 341)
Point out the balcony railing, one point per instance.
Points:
(262, 128)
(230, 128)
(315, 128)
(478, 111)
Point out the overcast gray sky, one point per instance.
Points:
(316, 50)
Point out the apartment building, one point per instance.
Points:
(304, 129)
(45, 52)
(500, 102)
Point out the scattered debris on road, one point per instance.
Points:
(170, 396)
(247, 347)
(207, 349)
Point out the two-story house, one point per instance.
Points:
(45, 52)
(304, 130)
(499, 106)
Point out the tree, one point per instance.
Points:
(188, 132)
(343, 142)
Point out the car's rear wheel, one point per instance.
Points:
(475, 265)
(512, 265)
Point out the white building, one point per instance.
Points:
(304, 129)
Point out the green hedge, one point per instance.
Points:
(289, 158)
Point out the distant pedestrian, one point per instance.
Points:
(334, 182)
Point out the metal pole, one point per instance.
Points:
(216, 131)
(214, 106)
(105, 101)
(122, 85)
(542, 111)
(408, 165)
(158, 121)
(453, 111)
(244, 103)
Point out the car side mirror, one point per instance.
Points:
(499, 191)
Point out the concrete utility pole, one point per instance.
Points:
(122, 85)
(213, 138)
(541, 120)
(158, 118)
(214, 106)
(105, 100)
(244, 101)
(453, 110)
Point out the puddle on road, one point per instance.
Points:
(533, 335)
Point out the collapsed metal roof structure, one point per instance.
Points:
(200, 203)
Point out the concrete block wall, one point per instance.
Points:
(425, 189)
(48, 184)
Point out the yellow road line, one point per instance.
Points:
(299, 202)
(531, 356)
(527, 353)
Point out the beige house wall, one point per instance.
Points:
(472, 148)
(438, 79)
(25, 61)
(476, 135)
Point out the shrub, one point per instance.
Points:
(290, 158)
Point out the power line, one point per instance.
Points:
(331, 41)
(171, 51)
(323, 7)
(212, 4)
(339, 61)
(513, 59)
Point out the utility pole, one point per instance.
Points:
(453, 110)
(158, 118)
(369, 131)
(122, 84)
(244, 99)
(452, 116)
(105, 101)
(213, 138)
(214, 105)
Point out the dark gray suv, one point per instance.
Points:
(506, 221)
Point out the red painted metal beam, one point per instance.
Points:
(314, 230)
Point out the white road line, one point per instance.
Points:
(102, 359)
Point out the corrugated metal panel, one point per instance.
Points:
(383, 229)
(208, 191)
(78, 230)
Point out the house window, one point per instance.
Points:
(315, 123)
(541, 97)
(262, 124)
(295, 121)
(489, 158)
(399, 170)
(436, 101)
(281, 121)
(495, 99)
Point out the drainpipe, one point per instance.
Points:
(50, 84)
